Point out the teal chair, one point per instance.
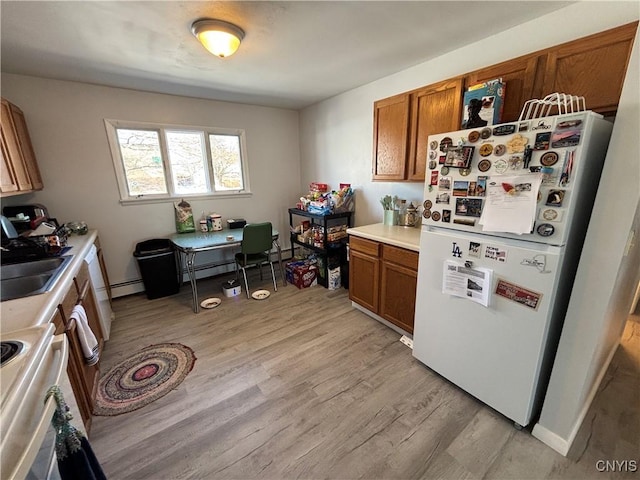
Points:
(257, 241)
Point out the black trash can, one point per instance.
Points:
(157, 264)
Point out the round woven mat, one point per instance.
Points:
(142, 378)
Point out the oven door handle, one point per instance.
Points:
(60, 347)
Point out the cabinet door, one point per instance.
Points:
(390, 133)
(434, 109)
(519, 76)
(13, 150)
(593, 67)
(398, 282)
(364, 280)
(103, 269)
(8, 181)
(26, 147)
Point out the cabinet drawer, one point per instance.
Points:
(365, 246)
(400, 256)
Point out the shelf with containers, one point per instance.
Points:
(324, 235)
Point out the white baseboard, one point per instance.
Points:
(555, 441)
(550, 439)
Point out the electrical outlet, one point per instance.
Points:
(407, 341)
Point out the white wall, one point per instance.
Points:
(606, 279)
(65, 120)
(337, 135)
(336, 146)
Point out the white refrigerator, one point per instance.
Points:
(505, 213)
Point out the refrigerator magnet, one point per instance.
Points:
(434, 177)
(475, 249)
(565, 138)
(460, 188)
(500, 165)
(481, 186)
(473, 187)
(550, 215)
(427, 204)
(504, 130)
(445, 143)
(444, 183)
(469, 222)
(435, 216)
(426, 213)
(442, 159)
(516, 163)
(485, 133)
(433, 155)
(469, 207)
(443, 198)
(549, 159)
(517, 144)
(465, 171)
(444, 170)
(474, 136)
(545, 229)
(446, 216)
(518, 294)
(495, 253)
(555, 198)
(486, 149)
(538, 261)
(433, 145)
(500, 150)
(542, 141)
(432, 164)
(484, 165)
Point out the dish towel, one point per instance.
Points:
(88, 342)
(76, 459)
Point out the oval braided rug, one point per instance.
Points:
(142, 378)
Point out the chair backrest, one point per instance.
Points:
(257, 238)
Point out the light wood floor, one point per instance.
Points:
(302, 385)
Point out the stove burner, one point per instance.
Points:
(9, 350)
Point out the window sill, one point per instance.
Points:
(148, 200)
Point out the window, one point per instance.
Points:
(160, 163)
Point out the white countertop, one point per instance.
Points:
(404, 237)
(38, 309)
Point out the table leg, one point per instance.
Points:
(277, 244)
(190, 259)
(179, 262)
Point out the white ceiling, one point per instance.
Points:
(294, 53)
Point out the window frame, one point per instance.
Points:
(113, 125)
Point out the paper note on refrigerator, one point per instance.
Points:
(511, 203)
(472, 283)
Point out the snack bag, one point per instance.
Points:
(184, 217)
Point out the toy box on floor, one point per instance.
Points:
(302, 273)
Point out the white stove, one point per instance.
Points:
(35, 360)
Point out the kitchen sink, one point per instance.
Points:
(20, 280)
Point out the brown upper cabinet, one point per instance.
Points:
(402, 124)
(20, 172)
(390, 132)
(592, 67)
(431, 113)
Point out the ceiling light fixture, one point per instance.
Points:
(219, 37)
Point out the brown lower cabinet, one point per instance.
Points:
(383, 279)
(84, 378)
